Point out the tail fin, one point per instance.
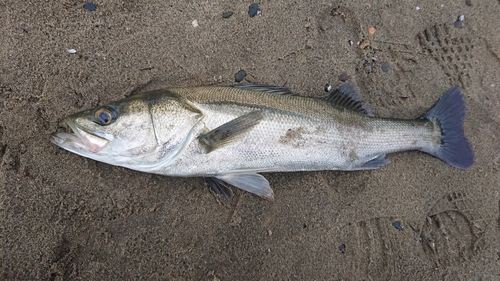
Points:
(449, 111)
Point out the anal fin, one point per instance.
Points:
(375, 163)
(253, 183)
(230, 131)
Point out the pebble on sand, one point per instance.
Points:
(90, 6)
(344, 77)
(397, 225)
(385, 66)
(342, 248)
(460, 20)
(253, 10)
(240, 75)
(227, 15)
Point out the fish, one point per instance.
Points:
(232, 134)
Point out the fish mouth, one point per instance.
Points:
(80, 140)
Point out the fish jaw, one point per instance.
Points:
(80, 141)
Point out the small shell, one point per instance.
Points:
(417, 8)
(328, 88)
(364, 44)
(72, 51)
(461, 17)
(371, 30)
(195, 23)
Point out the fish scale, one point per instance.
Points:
(327, 151)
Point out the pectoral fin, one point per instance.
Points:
(230, 131)
(253, 183)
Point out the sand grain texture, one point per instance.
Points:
(65, 217)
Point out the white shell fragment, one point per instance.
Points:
(72, 51)
(195, 23)
(328, 88)
(417, 8)
(461, 17)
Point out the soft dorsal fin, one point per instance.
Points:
(230, 131)
(265, 88)
(346, 96)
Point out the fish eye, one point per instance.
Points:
(105, 115)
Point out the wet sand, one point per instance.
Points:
(65, 217)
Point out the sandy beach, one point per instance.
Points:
(65, 217)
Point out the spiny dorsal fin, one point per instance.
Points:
(265, 88)
(346, 96)
(230, 131)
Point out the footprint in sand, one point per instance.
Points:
(454, 230)
(452, 53)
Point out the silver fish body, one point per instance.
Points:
(234, 133)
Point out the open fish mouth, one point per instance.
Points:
(80, 141)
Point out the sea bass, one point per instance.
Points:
(231, 134)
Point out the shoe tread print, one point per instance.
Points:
(454, 230)
(452, 52)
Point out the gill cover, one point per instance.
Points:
(143, 132)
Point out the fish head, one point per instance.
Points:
(134, 132)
